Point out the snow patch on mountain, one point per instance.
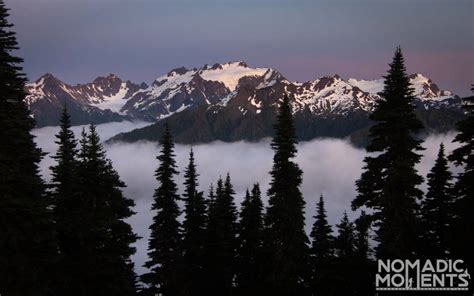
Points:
(171, 82)
(114, 102)
(370, 86)
(35, 91)
(180, 109)
(230, 73)
(225, 101)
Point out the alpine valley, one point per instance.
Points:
(231, 102)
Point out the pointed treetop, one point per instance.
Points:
(441, 150)
(65, 135)
(191, 174)
(65, 118)
(228, 187)
(285, 133)
(321, 233)
(345, 240)
(397, 83)
(441, 160)
(256, 190)
(93, 135)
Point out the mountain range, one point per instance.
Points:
(231, 102)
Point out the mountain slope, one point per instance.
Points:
(96, 102)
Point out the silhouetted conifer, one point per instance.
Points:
(249, 258)
(362, 227)
(344, 242)
(388, 184)
(321, 234)
(66, 204)
(322, 253)
(344, 264)
(221, 241)
(285, 240)
(27, 241)
(437, 210)
(104, 240)
(194, 226)
(164, 245)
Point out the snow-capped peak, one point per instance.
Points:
(426, 89)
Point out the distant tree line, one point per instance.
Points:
(70, 237)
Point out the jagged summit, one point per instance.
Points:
(48, 78)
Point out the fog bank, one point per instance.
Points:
(330, 166)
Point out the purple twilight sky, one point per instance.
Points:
(139, 40)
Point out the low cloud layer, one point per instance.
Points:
(330, 166)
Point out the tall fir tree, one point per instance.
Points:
(463, 156)
(28, 249)
(104, 240)
(164, 245)
(194, 227)
(249, 258)
(322, 253)
(64, 185)
(388, 184)
(285, 240)
(221, 241)
(437, 210)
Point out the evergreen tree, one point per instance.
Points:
(322, 253)
(323, 242)
(344, 265)
(250, 244)
(66, 204)
(164, 245)
(221, 240)
(344, 243)
(464, 187)
(285, 240)
(101, 257)
(437, 216)
(389, 182)
(362, 227)
(211, 198)
(28, 249)
(193, 230)
(64, 178)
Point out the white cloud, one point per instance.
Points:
(330, 166)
